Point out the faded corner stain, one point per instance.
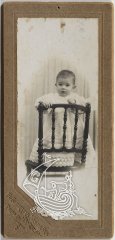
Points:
(27, 20)
(62, 26)
(20, 124)
(30, 28)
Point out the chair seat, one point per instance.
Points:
(32, 165)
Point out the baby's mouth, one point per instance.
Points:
(63, 91)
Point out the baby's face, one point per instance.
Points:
(65, 86)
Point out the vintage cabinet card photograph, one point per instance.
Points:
(57, 152)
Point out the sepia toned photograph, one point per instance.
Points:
(57, 114)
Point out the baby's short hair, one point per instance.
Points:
(66, 74)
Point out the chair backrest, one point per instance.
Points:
(78, 109)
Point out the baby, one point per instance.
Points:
(65, 84)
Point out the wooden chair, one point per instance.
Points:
(78, 110)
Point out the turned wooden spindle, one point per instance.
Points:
(53, 127)
(86, 131)
(64, 127)
(75, 128)
(40, 133)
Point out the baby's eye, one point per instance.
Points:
(60, 84)
(67, 85)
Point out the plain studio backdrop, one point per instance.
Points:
(45, 47)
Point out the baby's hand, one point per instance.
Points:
(46, 105)
(71, 101)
